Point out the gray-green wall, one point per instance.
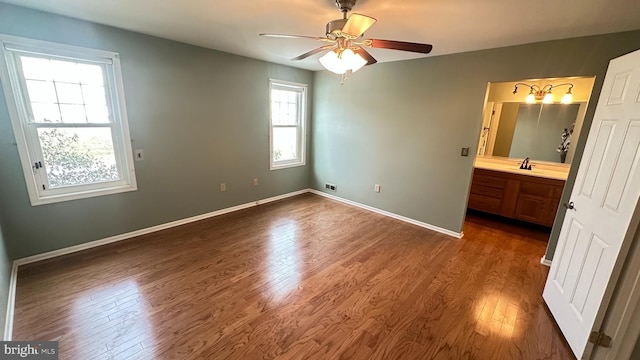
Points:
(201, 117)
(402, 124)
(5, 279)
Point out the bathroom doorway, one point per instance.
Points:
(526, 146)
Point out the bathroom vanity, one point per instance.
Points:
(500, 187)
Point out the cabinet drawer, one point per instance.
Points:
(486, 191)
(536, 189)
(488, 181)
(484, 203)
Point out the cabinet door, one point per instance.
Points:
(531, 208)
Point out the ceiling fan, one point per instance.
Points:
(346, 48)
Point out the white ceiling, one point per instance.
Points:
(452, 26)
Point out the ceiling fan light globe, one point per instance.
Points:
(331, 62)
(347, 55)
(357, 62)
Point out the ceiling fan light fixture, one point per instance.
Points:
(339, 62)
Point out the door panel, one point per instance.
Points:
(605, 198)
(601, 146)
(624, 168)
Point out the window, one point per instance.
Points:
(287, 120)
(67, 111)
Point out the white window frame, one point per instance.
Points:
(20, 113)
(301, 126)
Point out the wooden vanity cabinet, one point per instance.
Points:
(523, 197)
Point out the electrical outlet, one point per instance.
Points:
(255, 182)
(138, 154)
(330, 187)
(223, 187)
(376, 188)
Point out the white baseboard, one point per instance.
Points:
(11, 298)
(120, 237)
(8, 326)
(544, 261)
(390, 214)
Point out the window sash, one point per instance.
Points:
(107, 73)
(42, 178)
(41, 175)
(300, 91)
(26, 128)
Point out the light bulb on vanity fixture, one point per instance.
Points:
(537, 93)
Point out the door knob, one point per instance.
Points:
(569, 205)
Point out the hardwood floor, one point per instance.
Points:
(303, 278)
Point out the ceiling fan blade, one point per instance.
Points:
(313, 52)
(285, 36)
(365, 55)
(358, 24)
(401, 45)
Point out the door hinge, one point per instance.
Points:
(600, 339)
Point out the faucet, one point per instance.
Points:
(524, 165)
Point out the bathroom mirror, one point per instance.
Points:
(513, 128)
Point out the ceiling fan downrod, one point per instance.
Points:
(345, 6)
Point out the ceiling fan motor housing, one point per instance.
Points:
(345, 5)
(335, 26)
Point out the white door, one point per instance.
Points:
(604, 199)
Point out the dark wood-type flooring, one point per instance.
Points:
(302, 278)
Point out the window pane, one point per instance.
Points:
(94, 94)
(77, 156)
(73, 113)
(41, 91)
(65, 71)
(284, 107)
(45, 112)
(97, 114)
(285, 144)
(36, 68)
(69, 93)
(90, 74)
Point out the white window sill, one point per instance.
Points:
(51, 199)
(287, 165)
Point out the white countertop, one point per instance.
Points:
(539, 169)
